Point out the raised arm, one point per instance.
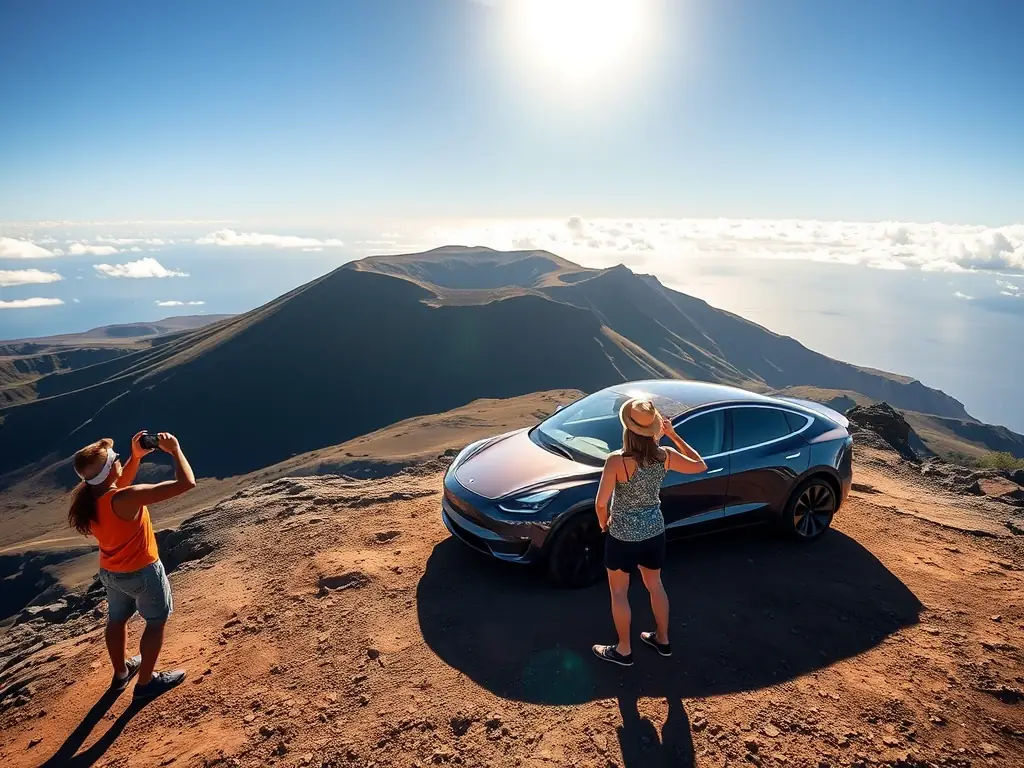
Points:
(684, 459)
(605, 489)
(131, 467)
(128, 502)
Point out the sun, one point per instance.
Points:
(581, 41)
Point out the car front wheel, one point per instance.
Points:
(811, 508)
(576, 556)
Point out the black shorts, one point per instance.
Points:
(627, 555)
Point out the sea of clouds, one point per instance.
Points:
(878, 245)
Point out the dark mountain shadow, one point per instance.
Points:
(750, 610)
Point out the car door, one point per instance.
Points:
(691, 502)
(767, 452)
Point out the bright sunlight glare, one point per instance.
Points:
(581, 41)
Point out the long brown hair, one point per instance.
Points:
(642, 449)
(83, 499)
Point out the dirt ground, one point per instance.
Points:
(337, 624)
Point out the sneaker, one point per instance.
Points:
(120, 683)
(161, 683)
(649, 638)
(609, 653)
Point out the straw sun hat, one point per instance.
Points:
(641, 417)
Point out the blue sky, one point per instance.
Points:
(204, 157)
(906, 110)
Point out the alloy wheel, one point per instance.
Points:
(814, 509)
(583, 558)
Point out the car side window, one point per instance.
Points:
(754, 426)
(704, 433)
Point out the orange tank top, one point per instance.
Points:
(125, 545)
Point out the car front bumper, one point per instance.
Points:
(478, 523)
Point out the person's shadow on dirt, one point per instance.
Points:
(65, 756)
(641, 744)
(749, 610)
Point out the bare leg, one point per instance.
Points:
(116, 635)
(150, 644)
(618, 583)
(659, 602)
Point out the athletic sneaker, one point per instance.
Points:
(120, 683)
(649, 638)
(609, 653)
(161, 683)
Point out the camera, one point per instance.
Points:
(150, 441)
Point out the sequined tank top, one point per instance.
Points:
(636, 505)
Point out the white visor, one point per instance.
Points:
(105, 472)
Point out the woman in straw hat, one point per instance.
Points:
(629, 510)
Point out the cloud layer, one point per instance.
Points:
(180, 303)
(12, 277)
(882, 245)
(231, 238)
(12, 248)
(29, 303)
(137, 270)
(81, 249)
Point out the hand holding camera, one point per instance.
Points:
(151, 441)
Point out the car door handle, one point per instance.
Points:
(794, 455)
(713, 471)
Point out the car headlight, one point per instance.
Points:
(528, 504)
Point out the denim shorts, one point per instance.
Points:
(145, 590)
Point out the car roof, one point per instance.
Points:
(688, 394)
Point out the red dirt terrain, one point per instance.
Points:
(329, 620)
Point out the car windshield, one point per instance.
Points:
(590, 428)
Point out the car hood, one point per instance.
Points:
(514, 462)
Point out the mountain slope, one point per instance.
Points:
(24, 363)
(342, 356)
(687, 335)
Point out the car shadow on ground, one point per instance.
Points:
(750, 609)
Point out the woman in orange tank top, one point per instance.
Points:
(107, 506)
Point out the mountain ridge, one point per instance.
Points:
(393, 337)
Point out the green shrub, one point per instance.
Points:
(963, 459)
(1001, 460)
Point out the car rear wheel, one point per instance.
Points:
(811, 508)
(576, 558)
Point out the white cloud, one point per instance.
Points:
(77, 301)
(80, 249)
(29, 303)
(9, 277)
(659, 244)
(180, 303)
(229, 237)
(131, 240)
(964, 296)
(1010, 289)
(143, 268)
(12, 248)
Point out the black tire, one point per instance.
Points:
(576, 555)
(811, 508)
